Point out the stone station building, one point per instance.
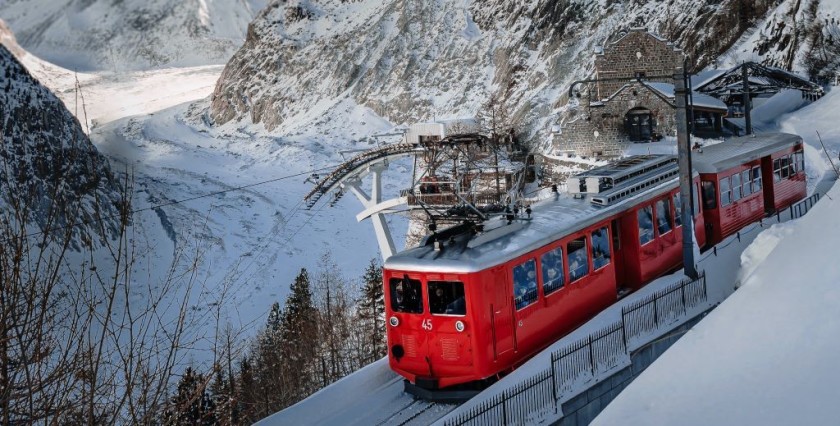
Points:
(632, 99)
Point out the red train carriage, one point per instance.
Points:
(463, 307)
(469, 303)
(746, 178)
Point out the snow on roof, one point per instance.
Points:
(551, 219)
(767, 354)
(704, 77)
(722, 156)
(698, 99)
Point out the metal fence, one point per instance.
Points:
(574, 368)
(801, 208)
(662, 308)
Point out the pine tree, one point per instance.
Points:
(371, 314)
(299, 338)
(191, 404)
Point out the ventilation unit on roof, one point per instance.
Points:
(614, 175)
(638, 184)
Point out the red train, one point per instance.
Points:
(472, 303)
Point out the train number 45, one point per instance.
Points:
(427, 324)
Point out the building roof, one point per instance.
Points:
(731, 153)
(699, 100)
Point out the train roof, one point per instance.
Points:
(551, 219)
(736, 151)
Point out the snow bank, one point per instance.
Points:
(768, 354)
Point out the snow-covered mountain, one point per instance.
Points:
(411, 61)
(130, 34)
(48, 163)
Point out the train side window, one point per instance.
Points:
(799, 161)
(791, 164)
(709, 196)
(777, 170)
(645, 216)
(725, 192)
(552, 270)
(447, 298)
(696, 197)
(677, 210)
(736, 187)
(405, 295)
(600, 248)
(663, 216)
(525, 283)
(745, 178)
(577, 258)
(756, 172)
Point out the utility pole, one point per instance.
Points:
(746, 98)
(686, 181)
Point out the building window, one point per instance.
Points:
(447, 298)
(645, 217)
(600, 248)
(552, 270)
(725, 192)
(639, 124)
(578, 260)
(405, 295)
(525, 283)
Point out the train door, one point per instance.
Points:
(768, 185)
(621, 287)
(501, 312)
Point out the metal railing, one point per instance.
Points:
(662, 308)
(576, 367)
(801, 208)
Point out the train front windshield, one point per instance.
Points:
(406, 295)
(444, 297)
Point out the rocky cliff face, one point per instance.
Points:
(50, 173)
(130, 34)
(411, 61)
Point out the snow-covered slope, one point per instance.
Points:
(412, 61)
(130, 34)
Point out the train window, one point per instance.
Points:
(777, 169)
(709, 196)
(736, 187)
(745, 178)
(756, 180)
(677, 210)
(696, 197)
(577, 258)
(600, 248)
(799, 161)
(725, 192)
(405, 295)
(791, 164)
(525, 283)
(552, 270)
(645, 216)
(447, 298)
(663, 216)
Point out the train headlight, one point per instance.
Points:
(393, 321)
(459, 325)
